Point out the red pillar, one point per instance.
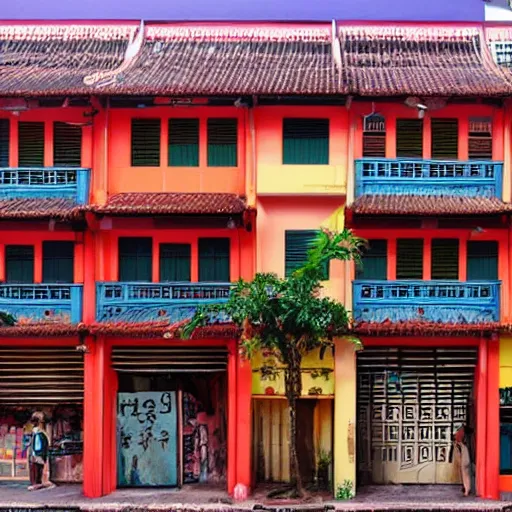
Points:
(243, 422)
(481, 420)
(109, 420)
(493, 420)
(232, 417)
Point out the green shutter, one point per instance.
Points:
(135, 259)
(184, 142)
(175, 262)
(145, 142)
(30, 144)
(445, 258)
(482, 263)
(409, 138)
(214, 259)
(58, 262)
(409, 258)
(4, 142)
(445, 138)
(375, 261)
(305, 141)
(19, 263)
(297, 244)
(67, 145)
(222, 142)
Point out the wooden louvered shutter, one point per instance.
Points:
(222, 142)
(67, 145)
(305, 141)
(480, 138)
(19, 263)
(175, 262)
(409, 258)
(374, 136)
(445, 258)
(297, 245)
(4, 142)
(482, 261)
(135, 259)
(375, 261)
(58, 262)
(145, 142)
(409, 138)
(214, 260)
(184, 142)
(30, 144)
(445, 138)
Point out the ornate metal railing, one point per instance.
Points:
(145, 302)
(29, 303)
(428, 177)
(45, 182)
(431, 301)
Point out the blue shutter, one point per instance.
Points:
(305, 141)
(145, 142)
(175, 262)
(409, 258)
(67, 145)
(297, 245)
(30, 144)
(184, 142)
(4, 142)
(19, 263)
(214, 259)
(445, 258)
(409, 138)
(375, 261)
(58, 262)
(135, 259)
(482, 261)
(222, 142)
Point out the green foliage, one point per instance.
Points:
(345, 491)
(6, 319)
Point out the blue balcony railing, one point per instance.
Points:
(428, 177)
(452, 302)
(45, 182)
(30, 303)
(146, 302)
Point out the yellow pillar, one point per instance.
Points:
(344, 413)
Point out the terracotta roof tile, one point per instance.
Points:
(390, 60)
(140, 203)
(42, 329)
(424, 329)
(427, 205)
(40, 208)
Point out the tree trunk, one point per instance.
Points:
(293, 387)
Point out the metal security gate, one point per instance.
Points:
(410, 403)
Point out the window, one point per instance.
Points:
(297, 244)
(30, 144)
(480, 138)
(4, 142)
(58, 258)
(67, 145)
(445, 258)
(445, 138)
(374, 136)
(375, 261)
(19, 263)
(184, 142)
(482, 262)
(222, 142)
(174, 262)
(306, 141)
(409, 258)
(506, 431)
(145, 142)
(409, 138)
(214, 259)
(135, 259)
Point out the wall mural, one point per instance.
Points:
(147, 440)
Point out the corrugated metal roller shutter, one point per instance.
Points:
(169, 359)
(41, 376)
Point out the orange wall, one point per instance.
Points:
(122, 177)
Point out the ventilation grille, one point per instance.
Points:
(502, 53)
(445, 258)
(409, 258)
(145, 142)
(445, 138)
(30, 144)
(67, 145)
(409, 138)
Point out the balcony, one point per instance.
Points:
(383, 176)
(49, 303)
(45, 182)
(451, 302)
(150, 302)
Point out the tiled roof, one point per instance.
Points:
(390, 60)
(140, 203)
(42, 330)
(40, 208)
(427, 205)
(420, 328)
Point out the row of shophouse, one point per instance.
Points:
(144, 168)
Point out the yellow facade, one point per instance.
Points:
(505, 361)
